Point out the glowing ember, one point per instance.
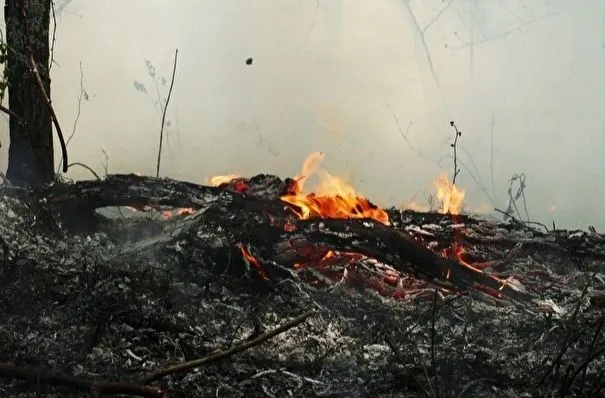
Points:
(451, 198)
(331, 198)
(252, 261)
(183, 211)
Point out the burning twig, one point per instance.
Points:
(219, 355)
(157, 170)
(95, 388)
(36, 73)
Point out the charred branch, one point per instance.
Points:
(95, 388)
(220, 355)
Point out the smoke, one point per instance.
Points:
(372, 84)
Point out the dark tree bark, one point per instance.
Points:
(30, 154)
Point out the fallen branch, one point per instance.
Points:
(219, 355)
(96, 388)
(378, 241)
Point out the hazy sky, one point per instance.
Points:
(333, 76)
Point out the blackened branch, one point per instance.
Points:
(37, 376)
(220, 355)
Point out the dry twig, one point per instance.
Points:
(157, 171)
(219, 355)
(86, 167)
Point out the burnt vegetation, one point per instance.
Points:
(147, 286)
(154, 305)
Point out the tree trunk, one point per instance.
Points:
(30, 154)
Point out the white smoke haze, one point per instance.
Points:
(333, 76)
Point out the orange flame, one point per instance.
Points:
(451, 198)
(218, 180)
(252, 261)
(331, 198)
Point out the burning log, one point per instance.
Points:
(261, 225)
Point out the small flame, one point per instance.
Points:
(252, 261)
(219, 180)
(451, 198)
(332, 198)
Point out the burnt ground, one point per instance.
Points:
(142, 293)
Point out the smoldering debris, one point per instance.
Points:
(121, 298)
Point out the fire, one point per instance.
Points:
(252, 261)
(331, 198)
(218, 180)
(451, 198)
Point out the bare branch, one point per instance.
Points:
(404, 133)
(80, 97)
(219, 355)
(86, 167)
(53, 40)
(411, 16)
(157, 170)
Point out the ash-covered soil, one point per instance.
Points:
(143, 294)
